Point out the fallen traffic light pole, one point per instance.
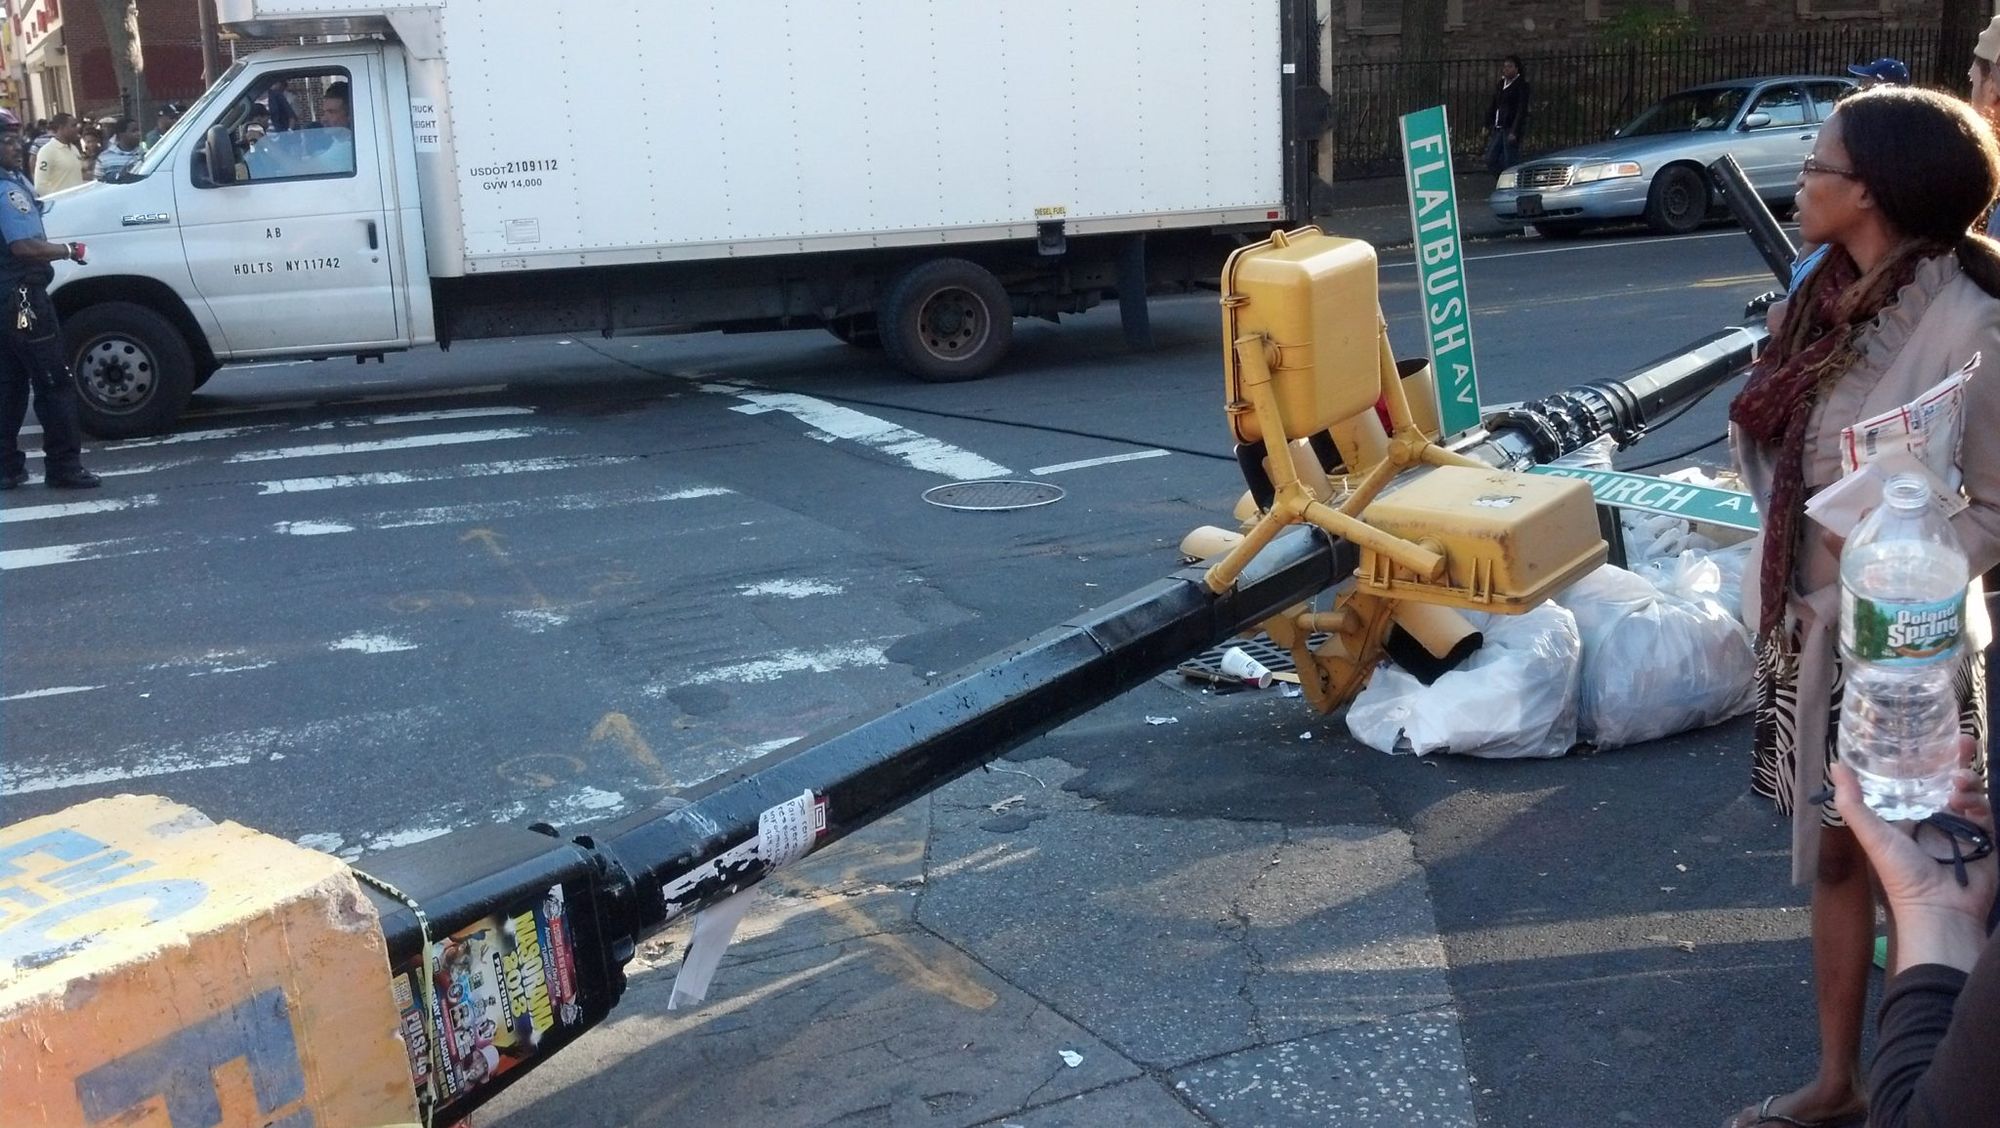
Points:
(504, 944)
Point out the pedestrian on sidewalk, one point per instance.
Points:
(59, 165)
(123, 151)
(1507, 116)
(1905, 294)
(31, 351)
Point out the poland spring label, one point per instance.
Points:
(1899, 633)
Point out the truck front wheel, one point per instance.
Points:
(134, 371)
(947, 320)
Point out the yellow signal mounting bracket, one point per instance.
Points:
(1308, 360)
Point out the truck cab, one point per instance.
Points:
(236, 240)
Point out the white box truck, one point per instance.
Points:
(908, 173)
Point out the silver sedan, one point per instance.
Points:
(1654, 166)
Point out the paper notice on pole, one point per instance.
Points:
(714, 926)
(785, 832)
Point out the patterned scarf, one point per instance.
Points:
(1815, 346)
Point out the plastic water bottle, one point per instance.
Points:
(1902, 611)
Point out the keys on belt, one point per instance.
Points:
(24, 310)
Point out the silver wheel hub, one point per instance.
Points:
(118, 372)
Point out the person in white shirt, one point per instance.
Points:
(59, 165)
(124, 149)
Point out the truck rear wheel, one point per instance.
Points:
(134, 371)
(947, 320)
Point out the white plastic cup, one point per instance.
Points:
(1237, 663)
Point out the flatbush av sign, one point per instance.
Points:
(1441, 267)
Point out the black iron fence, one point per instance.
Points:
(1580, 98)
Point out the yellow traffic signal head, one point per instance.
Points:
(1310, 298)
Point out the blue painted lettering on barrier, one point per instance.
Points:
(181, 1067)
(62, 844)
(29, 941)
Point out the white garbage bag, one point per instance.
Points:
(1696, 575)
(1515, 697)
(1655, 663)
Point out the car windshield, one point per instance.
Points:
(158, 151)
(1690, 111)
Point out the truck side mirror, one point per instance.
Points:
(220, 153)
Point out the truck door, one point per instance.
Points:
(291, 252)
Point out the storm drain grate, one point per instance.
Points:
(1208, 664)
(994, 495)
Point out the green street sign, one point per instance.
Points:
(1447, 311)
(1657, 495)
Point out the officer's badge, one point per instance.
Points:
(20, 202)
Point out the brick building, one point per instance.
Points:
(65, 58)
(1369, 30)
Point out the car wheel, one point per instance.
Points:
(1559, 228)
(1678, 202)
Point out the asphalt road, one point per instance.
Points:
(556, 580)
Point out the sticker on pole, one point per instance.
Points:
(1729, 508)
(785, 833)
(1447, 311)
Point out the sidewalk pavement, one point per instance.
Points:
(1378, 210)
(1011, 952)
(1188, 911)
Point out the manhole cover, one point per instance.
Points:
(993, 495)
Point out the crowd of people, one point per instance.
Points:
(65, 151)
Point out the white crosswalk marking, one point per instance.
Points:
(492, 510)
(916, 450)
(13, 558)
(473, 470)
(77, 508)
(408, 442)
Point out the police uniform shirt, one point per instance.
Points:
(20, 218)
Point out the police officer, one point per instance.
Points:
(31, 350)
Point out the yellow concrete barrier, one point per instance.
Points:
(161, 970)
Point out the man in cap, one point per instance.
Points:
(1882, 72)
(169, 114)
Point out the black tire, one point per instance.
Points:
(859, 330)
(133, 369)
(946, 320)
(1559, 228)
(1678, 201)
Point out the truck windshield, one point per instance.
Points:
(191, 120)
(1690, 111)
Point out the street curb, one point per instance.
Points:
(1378, 211)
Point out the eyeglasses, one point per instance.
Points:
(1814, 164)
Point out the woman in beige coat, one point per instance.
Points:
(1897, 179)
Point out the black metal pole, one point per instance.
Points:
(1757, 220)
(612, 886)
